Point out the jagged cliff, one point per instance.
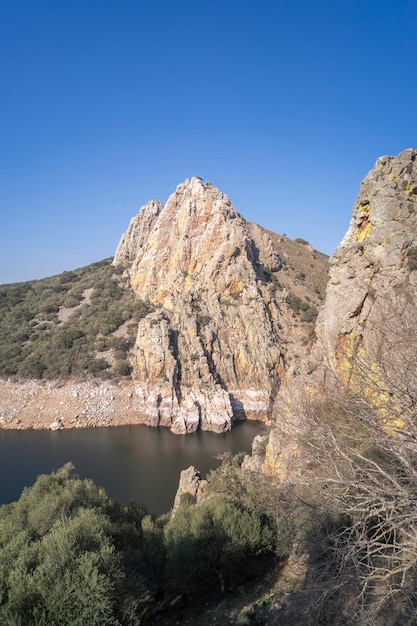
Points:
(366, 329)
(212, 351)
(372, 275)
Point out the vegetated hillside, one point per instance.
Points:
(303, 278)
(81, 323)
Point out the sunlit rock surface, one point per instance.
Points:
(210, 352)
(366, 328)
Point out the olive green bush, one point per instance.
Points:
(231, 536)
(64, 557)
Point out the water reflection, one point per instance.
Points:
(130, 462)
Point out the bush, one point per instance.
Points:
(230, 537)
(60, 556)
(294, 302)
(310, 315)
(122, 368)
(71, 555)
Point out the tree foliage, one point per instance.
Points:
(227, 538)
(61, 561)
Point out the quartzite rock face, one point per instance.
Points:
(373, 275)
(210, 352)
(192, 484)
(370, 307)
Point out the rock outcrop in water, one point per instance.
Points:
(212, 350)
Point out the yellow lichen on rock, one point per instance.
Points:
(364, 226)
(168, 304)
(241, 361)
(188, 282)
(364, 376)
(411, 190)
(345, 350)
(273, 461)
(236, 287)
(363, 232)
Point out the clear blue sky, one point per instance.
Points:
(283, 105)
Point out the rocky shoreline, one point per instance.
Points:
(58, 405)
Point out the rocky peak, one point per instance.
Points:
(197, 236)
(134, 238)
(211, 352)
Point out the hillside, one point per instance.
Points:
(77, 324)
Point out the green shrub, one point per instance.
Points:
(61, 562)
(294, 302)
(122, 368)
(228, 538)
(310, 315)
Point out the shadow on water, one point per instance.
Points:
(130, 462)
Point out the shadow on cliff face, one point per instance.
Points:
(238, 408)
(177, 374)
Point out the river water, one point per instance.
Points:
(131, 462)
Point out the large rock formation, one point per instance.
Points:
(367, 328)
(211, 351)
(373, 274)
(225, 308)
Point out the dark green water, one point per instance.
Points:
(130, 462)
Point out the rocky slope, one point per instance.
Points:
(212, 351)
(367, 327)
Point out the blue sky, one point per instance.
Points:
(285, 106)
